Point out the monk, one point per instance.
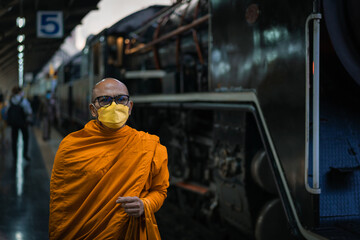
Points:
(108, 179)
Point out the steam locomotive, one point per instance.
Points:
(256, 102)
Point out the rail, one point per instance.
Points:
(316, 103)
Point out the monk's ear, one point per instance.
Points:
(130, 107)
(93, 110)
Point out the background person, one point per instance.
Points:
(47, 114)
(2, 119)
(19, 115)
(35, 105)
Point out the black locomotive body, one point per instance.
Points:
(255, 101)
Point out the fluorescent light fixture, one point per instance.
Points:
(20, 22)
(21, 48)
(21, 38)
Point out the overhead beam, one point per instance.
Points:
(8, 33)
(82, 11)
(9, 18)
(9, 52)
(10, 62)
(38, 45)
(7, 8)
(8, 45)
(6, 58)
(10, 68)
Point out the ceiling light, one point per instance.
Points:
(21, 38)
(20, 22)
(20, 55)
(21, 48)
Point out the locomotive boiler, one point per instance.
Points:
(255, 102)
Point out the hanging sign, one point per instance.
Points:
(50, 24)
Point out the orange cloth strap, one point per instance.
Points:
(144, 227)
(152, 230)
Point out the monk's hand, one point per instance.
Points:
(133, 206)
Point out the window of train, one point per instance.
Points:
(85, 62)
(96, 58)
(67, 72)
(115, 50)
(75, 70)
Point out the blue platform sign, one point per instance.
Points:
(50, 24)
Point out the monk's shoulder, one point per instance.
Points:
(72, 138)
(147, 137)
(158, 151)
(150, 141)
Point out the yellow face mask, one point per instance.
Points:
(113, 116)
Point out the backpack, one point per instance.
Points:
(3, 115)
(16, 116)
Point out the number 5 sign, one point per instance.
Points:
(50, 24)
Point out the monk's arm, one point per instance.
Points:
(160, 178)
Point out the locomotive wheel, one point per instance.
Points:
(271, 222)
(261, 173)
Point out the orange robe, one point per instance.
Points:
(92, 168)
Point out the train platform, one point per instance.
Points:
(24, 196)
(24, 187)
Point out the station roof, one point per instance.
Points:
(38, 51)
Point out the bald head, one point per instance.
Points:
(109, 87)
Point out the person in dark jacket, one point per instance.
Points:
(47, 111)
(2, 119)
(19, 115)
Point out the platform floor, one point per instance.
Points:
(24, 187)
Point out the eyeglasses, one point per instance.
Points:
(105, 101)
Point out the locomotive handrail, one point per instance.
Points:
(315, 111)
(195, 97)
(145, 74)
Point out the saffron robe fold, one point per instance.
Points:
(92, 168)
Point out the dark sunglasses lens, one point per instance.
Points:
(103, 101)
(121, 99)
